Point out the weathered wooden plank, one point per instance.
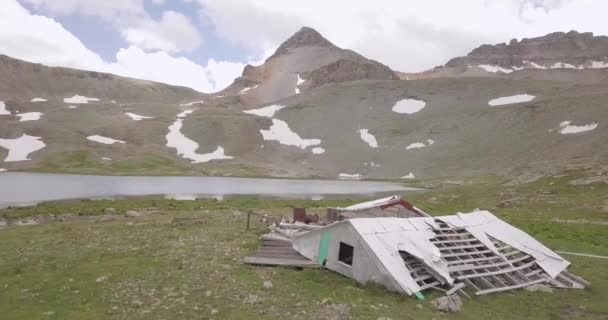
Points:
(517, 286)
(455, 288)
(477, 275)
(280, 262)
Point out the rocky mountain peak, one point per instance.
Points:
(577, 50)
(305, 37)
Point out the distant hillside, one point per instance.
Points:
(22, 80)
(315, 110)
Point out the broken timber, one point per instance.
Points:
(276, 252)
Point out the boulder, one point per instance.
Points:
(451, 303)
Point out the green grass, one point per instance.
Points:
(156, 269)
(85, 162)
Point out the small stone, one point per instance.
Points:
(109, 211)
(101, 279)
(419, 306)
(450, 303)
(48, 313)
(208, 293)
(267, 284)
(133, 214)
(326, 301)
(214, 311)
(252, 299)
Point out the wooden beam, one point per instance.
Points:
(517, 286)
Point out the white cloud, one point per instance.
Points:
(40, 39)
(134, 62)
(173, 33)
(407, 35)
(109, 10)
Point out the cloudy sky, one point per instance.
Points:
(204, 44)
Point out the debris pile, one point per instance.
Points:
(410, 252)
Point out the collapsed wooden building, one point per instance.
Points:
(410, 251)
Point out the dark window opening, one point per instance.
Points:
(345, 255)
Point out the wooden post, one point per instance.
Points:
(248, 219)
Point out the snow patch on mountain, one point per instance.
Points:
(137, 117)
(533, 65)
(518, 98)
(20, 148)
(29, 116)
(190, 104)
(409, 176)
(565, 127)
(247, 89)
(268, 111)
(3, 110)
(280, 131)
(409, 106)
(298, 83)
(318, 150)
(415, 145)
(368, 138)
(104, 140)
(186, 148)
(77, 99)
(183, 114)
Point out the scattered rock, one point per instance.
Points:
(588, 181)
(418, 306)
(109, 211)
(187, 221)
(337, 311)
(527, 177)
(214, 311)
(384, 318)
(252, 299)
(539, 287)
(508, 203)
(133, 214)
(267, 284)
(101, 279)
(451, 303)
(208, 293)
(27, 222)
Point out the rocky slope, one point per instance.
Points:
(557, 56)
(305, 61)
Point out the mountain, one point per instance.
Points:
(571, 56)
(20, 79)
(305, 61)
(313, 110)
